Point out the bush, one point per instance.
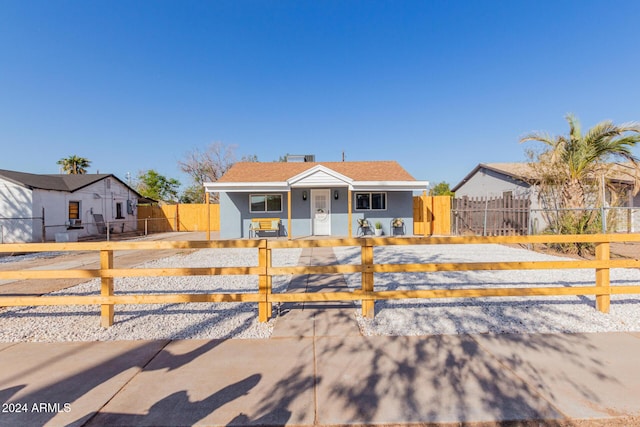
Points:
(572, 222)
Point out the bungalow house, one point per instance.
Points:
(519, 180)
(36, 208)
(315, 198)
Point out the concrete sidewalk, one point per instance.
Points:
(313, 319)
(570, 379)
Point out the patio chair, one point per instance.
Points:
(363, 226)
(397, 225)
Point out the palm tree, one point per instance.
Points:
(74, 165)
(577, 160)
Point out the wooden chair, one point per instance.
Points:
(397, 224)
(363, 226)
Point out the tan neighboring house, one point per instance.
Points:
(315, 198)
(519, 180)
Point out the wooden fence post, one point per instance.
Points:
(264, 281)
(602, 277)
(368, 304)
(425, 215)
(106, 289)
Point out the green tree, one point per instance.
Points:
(441, 189)
(193, 194)
(155, 186)
(570, 174)
(576, 160)
(74, 165)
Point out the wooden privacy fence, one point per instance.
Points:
(264, 297)
(491, 216)
(431, 215)
(180, 217)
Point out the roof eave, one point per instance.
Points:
(389, 185)
(248, 187)
(244, 187)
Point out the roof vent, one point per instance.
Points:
(301, 158)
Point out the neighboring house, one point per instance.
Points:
(315, 198)
(496, 179)
(519, 180)
(35, 208)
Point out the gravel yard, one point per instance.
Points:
(401, 317)
(156, 321)
(495, 314)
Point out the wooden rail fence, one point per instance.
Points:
(264, 296)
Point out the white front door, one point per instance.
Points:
(321, 212)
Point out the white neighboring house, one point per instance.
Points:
(35, 208)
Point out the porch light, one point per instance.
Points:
(304, 195)
(336, 194)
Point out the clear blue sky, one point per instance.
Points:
(439, 86)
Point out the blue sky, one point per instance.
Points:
(439, 86)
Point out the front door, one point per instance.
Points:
(321, 212)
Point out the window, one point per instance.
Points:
(74, 210)
(119, 211)
(371, 201)
(265, 203)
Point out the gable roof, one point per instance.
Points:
(282, 171)
(620, 172)
(59, 182)
(519, 171)
(244, 176)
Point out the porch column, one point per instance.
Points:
(208, 202)
(349, 215)
(289, 214)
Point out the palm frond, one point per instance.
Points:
(629, 127)
(574, 126)
(543, 137)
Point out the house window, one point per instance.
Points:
(74, 210)
(371, 201)
(119, 211)
(265, 203)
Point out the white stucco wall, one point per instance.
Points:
(17, 202)
(99, 198)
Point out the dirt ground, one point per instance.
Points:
(629, 250)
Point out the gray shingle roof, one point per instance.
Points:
(57, 182)
(60, 182)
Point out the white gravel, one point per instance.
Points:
(156, 321)
(494, 314)
(400, 317)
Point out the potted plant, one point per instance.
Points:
(378, 228)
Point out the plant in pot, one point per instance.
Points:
(378, 228)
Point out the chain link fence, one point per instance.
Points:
(491, 220)
(34, 229)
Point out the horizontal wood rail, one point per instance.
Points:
(367, 268)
